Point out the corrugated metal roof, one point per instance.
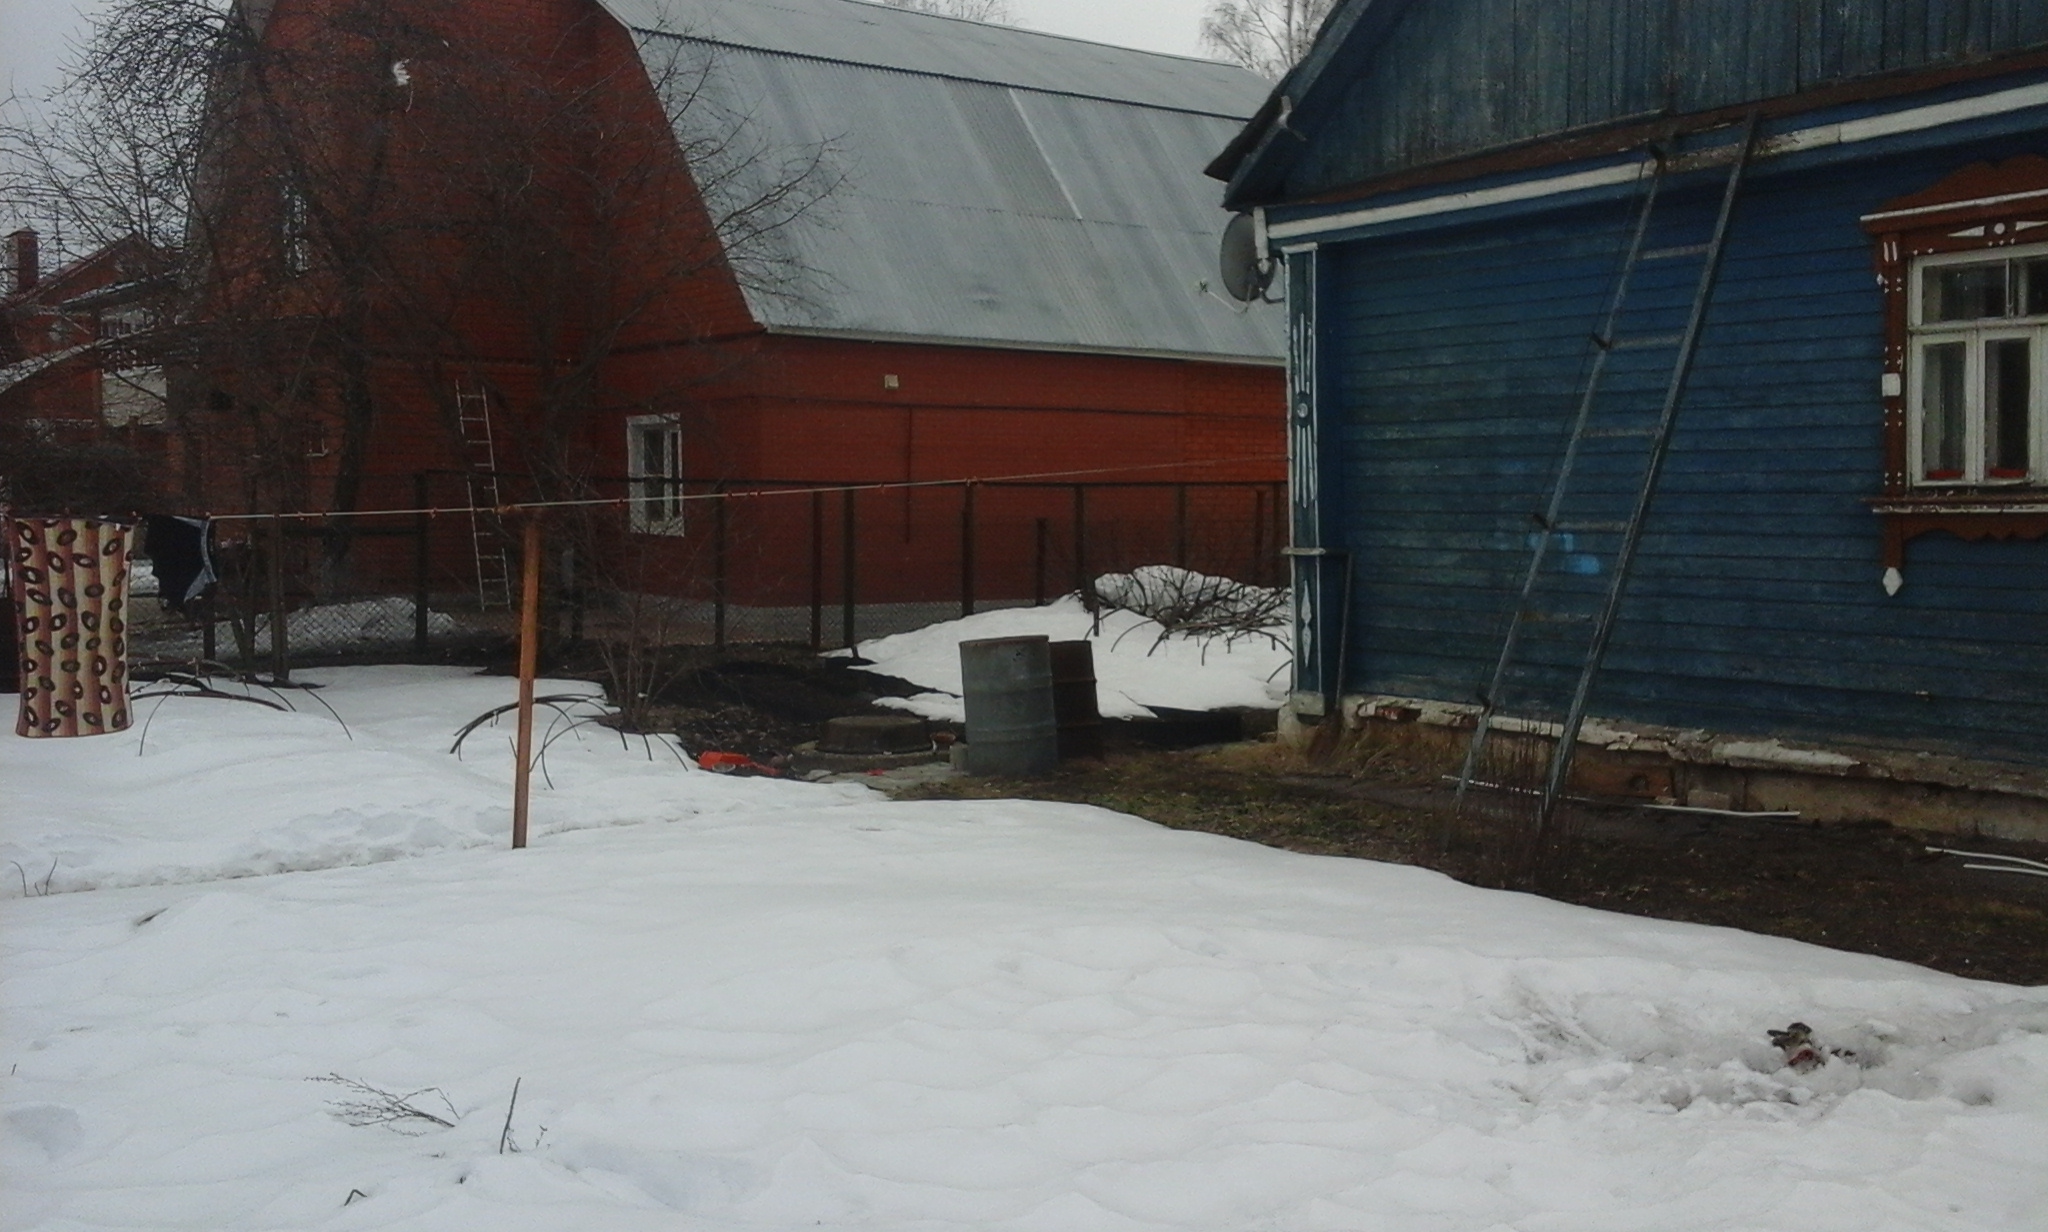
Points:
(881, 37)
(994, 185)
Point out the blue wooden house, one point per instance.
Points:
(1739, 304)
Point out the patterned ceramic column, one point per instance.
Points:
(71, 599)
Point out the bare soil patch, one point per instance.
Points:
(1870, 888)
(762, 702)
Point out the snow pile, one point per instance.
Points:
(203, 788)
(1136, 669)
(795, 1006)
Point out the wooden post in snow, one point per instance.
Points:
(529, 656)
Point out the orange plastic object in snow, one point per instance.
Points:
(733, 763)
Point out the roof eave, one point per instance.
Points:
(1013, 344)
(1260, 164)
(1633, 132)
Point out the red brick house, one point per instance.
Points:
(937, 250)
(81, 415)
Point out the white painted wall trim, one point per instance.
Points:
(1527, 190)
(1943, 206)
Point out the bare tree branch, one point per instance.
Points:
(361, 1104)
(1266, 36)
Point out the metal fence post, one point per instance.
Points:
(280, 652)
(817, 570)
(718, 574)
(967, 550)
(420, 558)
(572, 589)
(1180, 526)
(1276, 574)
(1081, 586)
(1038, 572)
(847, 553)
(1259, 534)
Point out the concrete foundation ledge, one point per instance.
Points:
(1916, 789)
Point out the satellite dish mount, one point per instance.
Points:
(1247, 271)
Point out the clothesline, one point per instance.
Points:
(591, 502)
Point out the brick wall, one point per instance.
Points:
(677, 338)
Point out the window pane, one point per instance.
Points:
(1963, 292)
(2008, 390)
(1942, 410)
(2036, 280)
(647, 465)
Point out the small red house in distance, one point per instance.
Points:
(919, 250)
(81, 418)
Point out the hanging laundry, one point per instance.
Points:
(180, 549)
(70, 584)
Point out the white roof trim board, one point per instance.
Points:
(995, 186)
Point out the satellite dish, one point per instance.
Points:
(1246, 274)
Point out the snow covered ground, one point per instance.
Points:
(202, 788)
(780, 1006)
(1134, 669)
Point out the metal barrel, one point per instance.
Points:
(1074, 705)
(1006, 684)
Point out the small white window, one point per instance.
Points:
(123, 322)
(654, 468)
(1976, 397)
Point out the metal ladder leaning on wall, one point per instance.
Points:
(1547, 606)
(480, 452)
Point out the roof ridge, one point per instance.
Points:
(908, 71)
(1001, 29)
(1052, 34)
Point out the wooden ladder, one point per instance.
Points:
(480, 453)
(1557, 605)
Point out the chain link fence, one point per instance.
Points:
(674, 563)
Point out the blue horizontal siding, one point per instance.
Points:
(1755, 605)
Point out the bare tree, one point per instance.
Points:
(992, 12)
(1266, 36)
(112, 151)
(375, 201)
(386, 202)
(177, 122)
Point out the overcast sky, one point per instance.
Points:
(33, 33)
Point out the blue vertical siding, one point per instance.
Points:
(1451, 77)
(1456, 357)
